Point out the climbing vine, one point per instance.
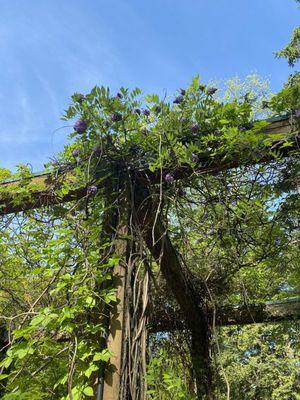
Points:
(57, 262)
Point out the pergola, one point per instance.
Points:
(188, 313)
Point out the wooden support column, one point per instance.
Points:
(112, 379)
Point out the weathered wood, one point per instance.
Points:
(44, 185)
(258, 313)
(111, 388)
(42, 192)
(207, 166)
(168, 320)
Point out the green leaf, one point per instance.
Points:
(104, 355)
(88, 391)
(3, 376)
(90, 301)
(92, 368)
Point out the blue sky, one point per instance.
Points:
(51, 48)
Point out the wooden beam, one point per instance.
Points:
(259, 313)
(43, 186)
(207, 166)
(168, 320)
(42, 192)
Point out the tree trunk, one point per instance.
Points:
(189, 293)
(201, 356)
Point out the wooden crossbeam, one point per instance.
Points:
(170, 319)
(44, 184)
(42, 188)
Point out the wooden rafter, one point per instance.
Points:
(44, 184)
(169, 319)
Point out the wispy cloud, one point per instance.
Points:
(50, 49)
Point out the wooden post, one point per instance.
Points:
(112, 377)
(115, 230)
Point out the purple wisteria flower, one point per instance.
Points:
(157, 109)
(91, 190)
(182, 92)
(75, 153)
(169, 178)
(178, 99)
(202, 88)
(146, 112)
(211, 90)
(195, 128)
(54, 163)
(194, 158)
(137, 111)
(80, 126)
(181, 192)
(297, 113)
(116, 117)
(119, 95)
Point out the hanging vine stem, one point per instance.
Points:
(133, 380)
(72, 368)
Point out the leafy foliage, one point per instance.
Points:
(236, 230)
(292, 50)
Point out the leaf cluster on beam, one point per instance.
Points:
(44, 185)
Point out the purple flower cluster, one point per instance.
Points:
(157, 109)
(195, 128)
(182, 92)
(116, 117)
(211, 90)
(178, 99)
(80, 126)
(297, 113)
(146, 112)
(75, 153)
(137, 111)
(91, 190)
(181, 192)
(169, 178)
(202, 88)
